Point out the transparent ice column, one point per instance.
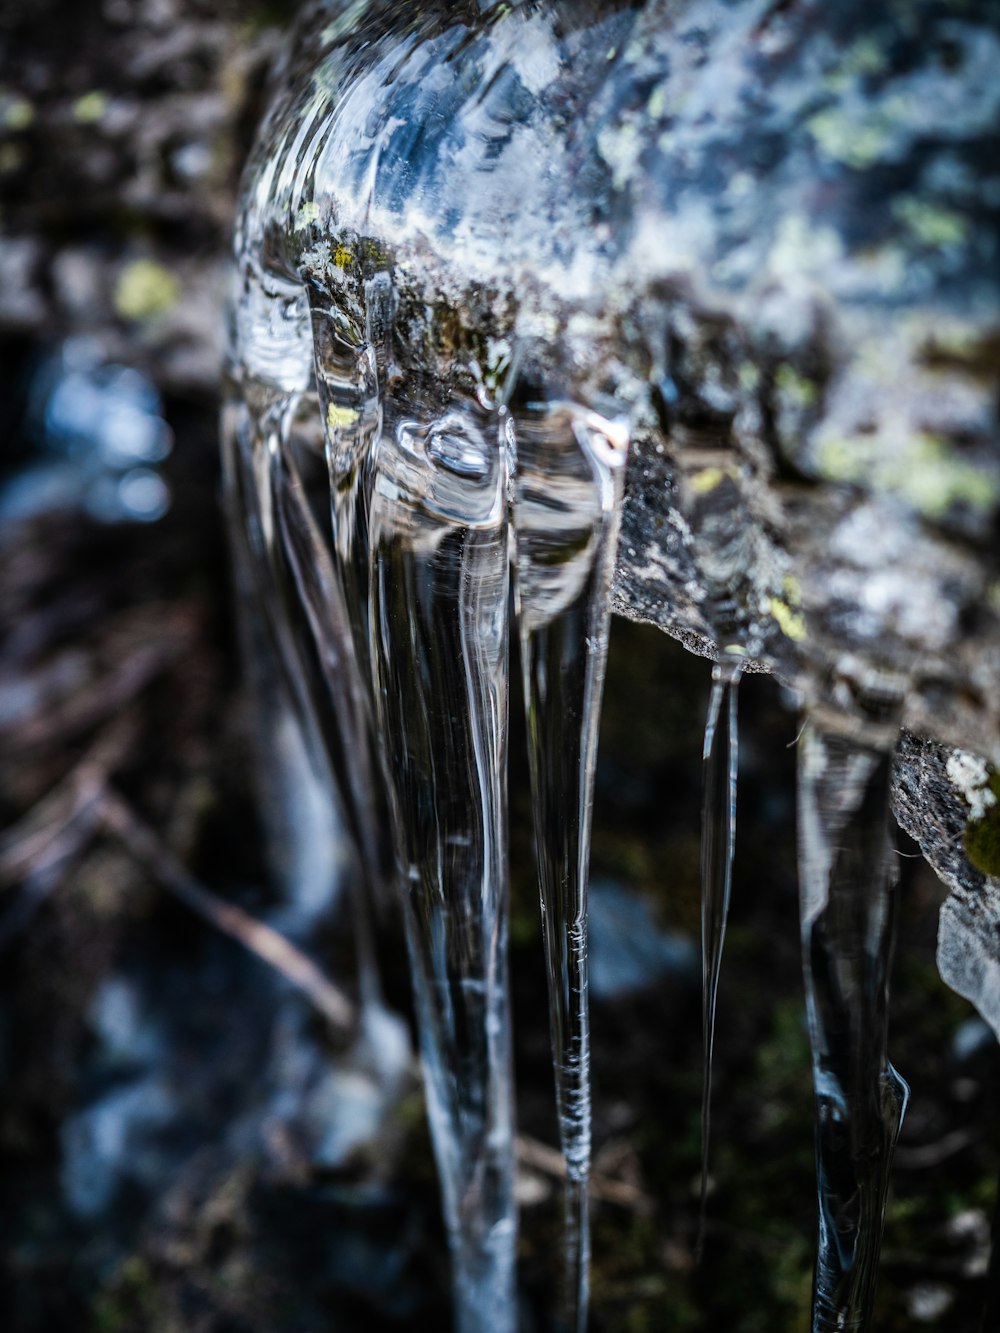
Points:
(439, 579)
(847, 885)
(568, 490)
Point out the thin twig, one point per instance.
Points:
(144, 845)
(141, 648)
(549, 1161)
(925, 1155)
(58, 826)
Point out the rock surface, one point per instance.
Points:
(770, 228)
(937, 798)
(769, 240)
(763, 233)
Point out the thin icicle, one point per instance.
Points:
(568, 490)
(439, 596)
(720, 761)
(280, 553)
(847, 891)
(349, 739)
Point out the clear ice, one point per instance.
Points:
(296, 611)
(439, 577)
(383, 486)
(847, 886)
(568, 490)
(378, 558)
(720, 761)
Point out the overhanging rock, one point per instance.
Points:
(766, 236)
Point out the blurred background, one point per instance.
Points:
(188, 1140)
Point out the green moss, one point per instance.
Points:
(145, 289)
(562, 552)
(16, 113)
(131, 1302)
(922, 470)
(90, 108)
(845, 140)
(11, 158)
(930, 225)
(795, 388)
(982, 836)
(782, 1060)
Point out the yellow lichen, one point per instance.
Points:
(657, 104)
(792, 589)
(865, 58)
(337, 416)
(341, 256)
(707, 478)
(145, 289)
(845, 140)
(921, 470)
(621, 147)
(791, 622)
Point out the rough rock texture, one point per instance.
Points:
(766, 232)
(782, 219)
(935, 795)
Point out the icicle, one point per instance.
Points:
(297, 808)
(712, 499)
(439, 595)
(348, 738)
(847, 891)
(280, 553)
(720, 756)
(351, 352)
(568, 490)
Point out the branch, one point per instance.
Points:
(146, 848)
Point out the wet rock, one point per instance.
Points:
(934, 803)
(772, 232)
(768, 241)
